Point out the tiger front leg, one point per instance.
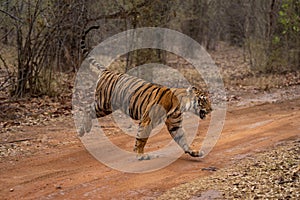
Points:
(141, 140)
(87, 115)
(139, 148)
(178, 135)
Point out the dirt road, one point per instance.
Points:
(55, 165)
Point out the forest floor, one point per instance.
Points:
(256, 156)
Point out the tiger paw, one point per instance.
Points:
(80, 131)
(143, 157)
(85, 126)
(194, 153)
(87, 122)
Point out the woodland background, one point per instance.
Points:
(40, 39)
(254, 43)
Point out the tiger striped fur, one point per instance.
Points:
(147, 102)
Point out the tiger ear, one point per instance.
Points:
(190, 90)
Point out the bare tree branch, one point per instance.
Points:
(122, 14)
(11, 16)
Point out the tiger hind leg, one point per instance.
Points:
(88, 114)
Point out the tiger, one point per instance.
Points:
(149, 103)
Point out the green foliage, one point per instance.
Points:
(289, 18)
(276, 40)
(285, 48)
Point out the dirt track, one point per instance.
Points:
(57, 166)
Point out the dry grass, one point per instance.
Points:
(273, 174)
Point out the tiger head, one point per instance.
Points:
(200, 104)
